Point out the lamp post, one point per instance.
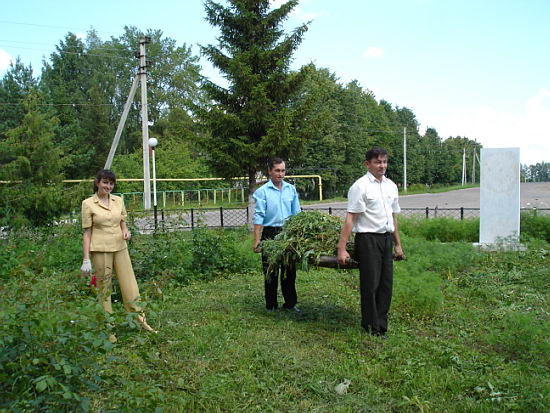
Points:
(152, 143)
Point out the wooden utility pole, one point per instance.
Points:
(141, 77)
(145, 123)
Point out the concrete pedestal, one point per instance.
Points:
(500, 199)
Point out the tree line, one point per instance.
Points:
(60, 123)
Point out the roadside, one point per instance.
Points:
(532, 195)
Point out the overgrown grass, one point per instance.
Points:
(468, 332)
(451, 230)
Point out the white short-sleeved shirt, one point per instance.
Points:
(374, 201)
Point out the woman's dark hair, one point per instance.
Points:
(273, 162)
(104, 174)
(375, 152)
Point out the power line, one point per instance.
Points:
(48, 44)
(59, 104)
(108, 56)
(47, 26)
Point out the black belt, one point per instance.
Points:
(380, 234)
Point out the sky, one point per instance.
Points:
(473, 68)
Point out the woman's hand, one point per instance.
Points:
(86, 266)
(126, 235)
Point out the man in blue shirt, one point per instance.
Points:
(275, 202)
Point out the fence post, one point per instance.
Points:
(330, 210)
(462, 213)
(156, 217)
(247, 215)
(427, 212)
(192, 219)
(534, 211)
(221, 216)
(162, 218)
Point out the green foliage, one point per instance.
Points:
(32, 164)
(157, 254)
(31, 251)
(94, 76)
(540, 172)
(251, 120)
(48, 350)
(220, 252)
(453, 230)
(418, 280)
(184, 256)
(522, 336)
(17, 84)
(468, 333)
(535, 227)
(441, 229)
(304, 238)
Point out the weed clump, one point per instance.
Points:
(304, 239)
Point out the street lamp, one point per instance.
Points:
(152, 143)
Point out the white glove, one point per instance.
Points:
(86, 266)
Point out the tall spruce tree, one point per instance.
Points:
(16, 84)
(252, 119)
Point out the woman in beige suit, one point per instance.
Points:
(104, 241)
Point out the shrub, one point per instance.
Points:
(155, 254)
(48, 358)
(441, 229)
(215, 252)
(533, 226)
(55, 248)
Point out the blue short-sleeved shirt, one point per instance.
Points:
(274, 206)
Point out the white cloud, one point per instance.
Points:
(297, 13)
(5, 60)
(277, 3)
(528, 129)
(373, 51)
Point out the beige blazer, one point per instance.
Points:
(105, 223)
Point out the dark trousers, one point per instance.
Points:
(287, 274)
(374, 253)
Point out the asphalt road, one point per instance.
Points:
(532, 194)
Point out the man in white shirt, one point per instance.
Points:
(371, 215)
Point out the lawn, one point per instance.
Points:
(468, 333)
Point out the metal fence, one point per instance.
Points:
(167, 220)
(457, 213)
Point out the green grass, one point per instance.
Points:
(468, 333)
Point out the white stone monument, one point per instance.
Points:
(499, 199)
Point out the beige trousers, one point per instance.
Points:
(119, 261)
